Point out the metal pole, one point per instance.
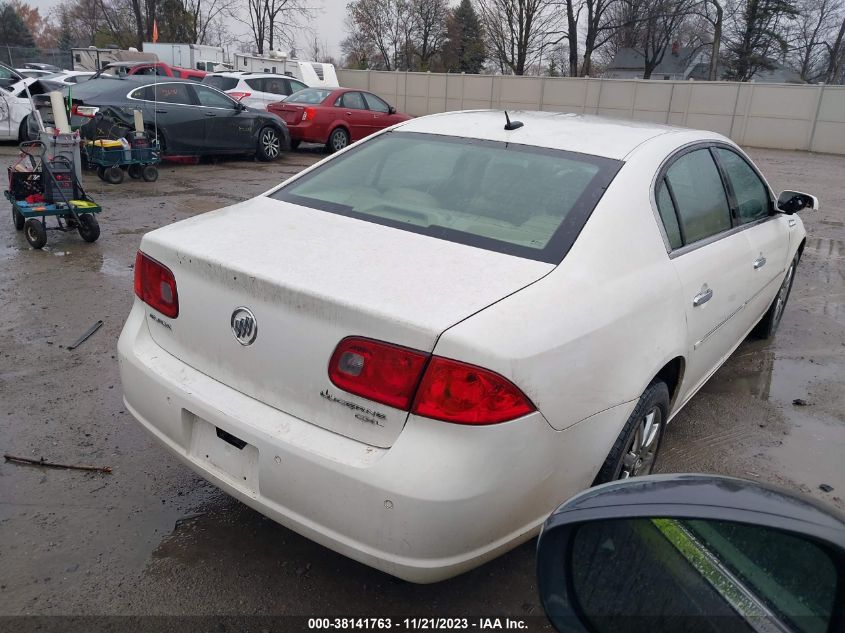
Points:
(816, 118)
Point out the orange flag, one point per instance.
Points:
(155, 31)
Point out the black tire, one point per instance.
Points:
(149, 173)
(768, 325)
(135, 171)
(23, 130)
(269, 144)
(101, 172)
(338, 139)
(17, 219)
(294, 143)
(35, 232)
(89, 228)
(625, 459)
(113, 175)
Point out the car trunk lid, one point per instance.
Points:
(289, 112)
(312, 278)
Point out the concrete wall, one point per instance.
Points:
(780, 116)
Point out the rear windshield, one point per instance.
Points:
(221, 83)
(309, 95)
(516, 199)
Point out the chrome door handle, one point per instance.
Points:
(210, 114)
(759, 262)
(348, 114)
(702, 297)
(792, 222)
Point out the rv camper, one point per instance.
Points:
(195, 56)
(314, 74)
(93, 58)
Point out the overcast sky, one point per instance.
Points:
(327, 23)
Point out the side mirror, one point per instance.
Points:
(240, 107)
(667, 553)
(391, 110)
(793, 201)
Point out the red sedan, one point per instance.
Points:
(335, 117)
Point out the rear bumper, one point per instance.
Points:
(442, 500)
(307, 133)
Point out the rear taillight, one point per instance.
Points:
(457, 392)
(377, 371)
(155, 285)
(85, 111)
(308, 114)
(238, 96)
(426, 385)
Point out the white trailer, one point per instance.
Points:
(196, 56)
(313, 74)
(93, 58)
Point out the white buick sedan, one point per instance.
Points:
(413, 350)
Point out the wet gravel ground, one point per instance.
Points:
(152, 538)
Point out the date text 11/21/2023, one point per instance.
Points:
(418, 624)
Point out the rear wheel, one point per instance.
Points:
(17, 219)
(269, 144)
(113, 175)
(635, 450)
(768, 325)
(150, 173)
(35, 233)
(338, 139)
(89, 228)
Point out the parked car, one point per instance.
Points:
(696, 553)
(52, 68)
(334, 117)
(440, 332)
(59, 80)
(257, 90)
(33, 72)
(121, 69)
(187, 118)
(15, 106)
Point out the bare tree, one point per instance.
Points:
(518, 31)
(836, 56)
(756, 36)
(386, 25)
(813, 29)
(649, 26)
(428, 19)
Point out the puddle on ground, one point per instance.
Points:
(812, 452)
(115, 268)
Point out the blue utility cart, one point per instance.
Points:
(49, 188)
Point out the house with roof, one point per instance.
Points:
(681, 63)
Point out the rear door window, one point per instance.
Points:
(212, 99)
(750, 194)
(699, 196)
(221, 83)
(515, 199)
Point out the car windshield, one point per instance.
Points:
(219, 82)
(515, 199)
(309, 95)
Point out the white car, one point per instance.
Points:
(256, 90)
(15, 107)
(34, 73)
(69, 77)
(446, 328)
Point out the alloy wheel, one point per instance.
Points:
(641, 451)
(338, 141)
(783, 294)
(270, 143)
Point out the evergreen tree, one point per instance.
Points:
(13, 30)
(65, 41)
(465, 50)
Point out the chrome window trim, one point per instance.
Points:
(170, 103)
(661, 173)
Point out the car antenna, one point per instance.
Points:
(512, 125)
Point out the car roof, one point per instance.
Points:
(586, 134)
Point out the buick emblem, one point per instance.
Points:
(244, 326)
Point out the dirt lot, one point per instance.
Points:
(152, 538)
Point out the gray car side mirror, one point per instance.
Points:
(690, 553)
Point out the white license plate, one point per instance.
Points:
(224, 454)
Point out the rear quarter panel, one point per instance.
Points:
(595, 331)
